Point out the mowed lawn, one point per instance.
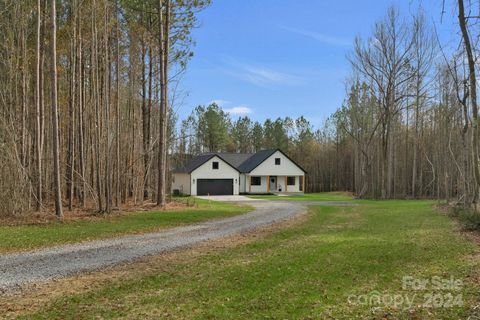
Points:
(322, 196)
(319, 269)
(22, 237)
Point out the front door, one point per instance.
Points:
(273, 184)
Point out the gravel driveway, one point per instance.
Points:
(43, 265)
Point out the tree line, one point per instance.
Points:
(88, 89)
(411, 116)
(84, 99)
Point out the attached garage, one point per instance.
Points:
(207, 174)
(214, 187)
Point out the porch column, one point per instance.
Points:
(268, 184)
(249, 184)
(286, 184)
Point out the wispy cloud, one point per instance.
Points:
(321, 37)
(239, 110)
(219, 102)
(261, 76)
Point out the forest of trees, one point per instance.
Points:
(83, 99)
(88, 88)
(410, 116)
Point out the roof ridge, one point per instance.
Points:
(252, 160)
(236, 152)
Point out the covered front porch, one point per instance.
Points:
(274, 184)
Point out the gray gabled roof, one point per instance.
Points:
(194, 163)
(255, 160)
(235, 159)
(199, 160)
(242, 162)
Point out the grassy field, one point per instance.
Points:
(321, 269)
(15, 238)
(323, 196)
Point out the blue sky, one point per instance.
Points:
(277, 58)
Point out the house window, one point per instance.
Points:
(300, 187)
(291, 181)
(277, 161)
(215, 165)
(256, 181)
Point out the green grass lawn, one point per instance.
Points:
(321, 196)
(304, 272)
(14, 238)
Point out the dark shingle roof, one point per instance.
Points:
(194, 163)
(243, 162)
(255, 160)
(236, 159)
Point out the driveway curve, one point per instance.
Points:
(19, 269)
(43, 265)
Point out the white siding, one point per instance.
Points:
(181, 181)
(224, 171)
(242, 183)
(268, 168)
(295, 188)
(286, 167)
(257, 189)
(280, 182)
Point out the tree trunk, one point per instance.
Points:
(71, 133)
(117, 111)
(473, 90)
(24, 100)
(148, 119)
(38, 125)
(107, 80)
(145, 128)
(95, 98)
(162, 150)
(81, 129)
(55, 138)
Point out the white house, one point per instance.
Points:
(267, 171)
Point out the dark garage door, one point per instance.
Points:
(214, 187)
